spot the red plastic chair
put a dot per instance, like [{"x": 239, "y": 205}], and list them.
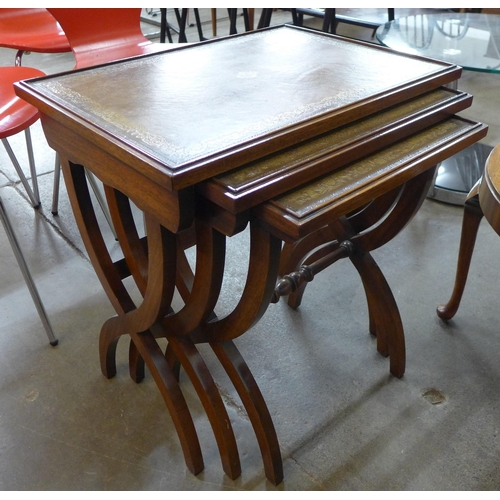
[
  {"x": 16, "y": 115},
  {"x": 25, "y": 30},
  {"x": 98, "y": 36},
  {"x": 31, "y": 30}
]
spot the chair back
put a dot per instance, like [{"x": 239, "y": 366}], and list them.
[
  {"x": 98, "y": 36},
  {"x": 31, "y": 30}
]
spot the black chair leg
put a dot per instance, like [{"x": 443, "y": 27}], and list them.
[
  {"x": 246, "y": 19},
  {"x": 232, "y": 21},
  {"x": 330, "y": 21},
  {"x": 164, "y": 27},
  {"x": 181, "y": 20},
  {"x": 198, "y": 24},
  {"x": 265, "y": 18}
]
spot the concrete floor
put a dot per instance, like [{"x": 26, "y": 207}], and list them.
[{"x": 343, "y": 422}]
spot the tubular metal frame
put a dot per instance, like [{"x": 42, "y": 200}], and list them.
[
  {"x": 27, "y": 275},
  {"x": 33, "y": 194}
]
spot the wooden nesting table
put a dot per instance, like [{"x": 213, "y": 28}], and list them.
[{"x": 324, "y": 147}]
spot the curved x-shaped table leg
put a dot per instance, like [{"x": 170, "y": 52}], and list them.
[
  {"x": 111, "y": 275},
  {"x": 193, "y": 324},
  {"x": 153, "y": 265},
  {"x": 370, "y": 228}
]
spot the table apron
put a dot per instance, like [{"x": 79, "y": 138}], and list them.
[{"x": 174, "y": 209}]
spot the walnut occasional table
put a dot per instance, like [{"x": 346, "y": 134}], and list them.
[{"x": 305, "y": 137}]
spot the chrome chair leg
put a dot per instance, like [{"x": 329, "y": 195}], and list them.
[
  {"x": 27, "y": 276},
  {"x": 33, "y": 196},
  {"x": 57, "y": 182},
  {"x": 31, "y": 161},
  {"x": 100, "y": 199}
]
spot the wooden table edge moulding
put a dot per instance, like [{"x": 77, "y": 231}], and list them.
[{"x": 324, "y": 147}]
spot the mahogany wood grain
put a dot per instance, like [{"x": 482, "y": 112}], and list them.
[
  {"x": 311, "y": 206},
  {"x": 180, "y": 140},
  {"x": 261, "y": 180},
  {"x": 489, "y": 190},
  {"x": 304, "y": 209},
  {"x": 302, "y": 136},
  {"x": 255, "y": 405},
  {"x": 385, "y": 320},
  {"x": 207, "y": 390},
  {"x": 483, "y": 200},
  {"x": 470, "y": 226},
  {"x": 173, "y": 397}
]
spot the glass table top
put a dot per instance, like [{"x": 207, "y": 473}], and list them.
[{"x": 468, "y": 40}]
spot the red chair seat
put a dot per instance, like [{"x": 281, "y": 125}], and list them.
[{"x": 16, "y": 115}]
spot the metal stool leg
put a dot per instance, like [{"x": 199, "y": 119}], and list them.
[
  {"x": 57, "y": 182},
  {"x": 100, "y": 199},
  {"x": 34, "y": 197},
  {"x": 27, "y": 276},
  {"x": 31, "y": 161}
]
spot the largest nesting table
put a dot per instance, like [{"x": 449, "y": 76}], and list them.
[{"x": 325, "y": 147}]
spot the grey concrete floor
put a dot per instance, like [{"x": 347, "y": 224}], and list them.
[{"x": 343, "y": 422}]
